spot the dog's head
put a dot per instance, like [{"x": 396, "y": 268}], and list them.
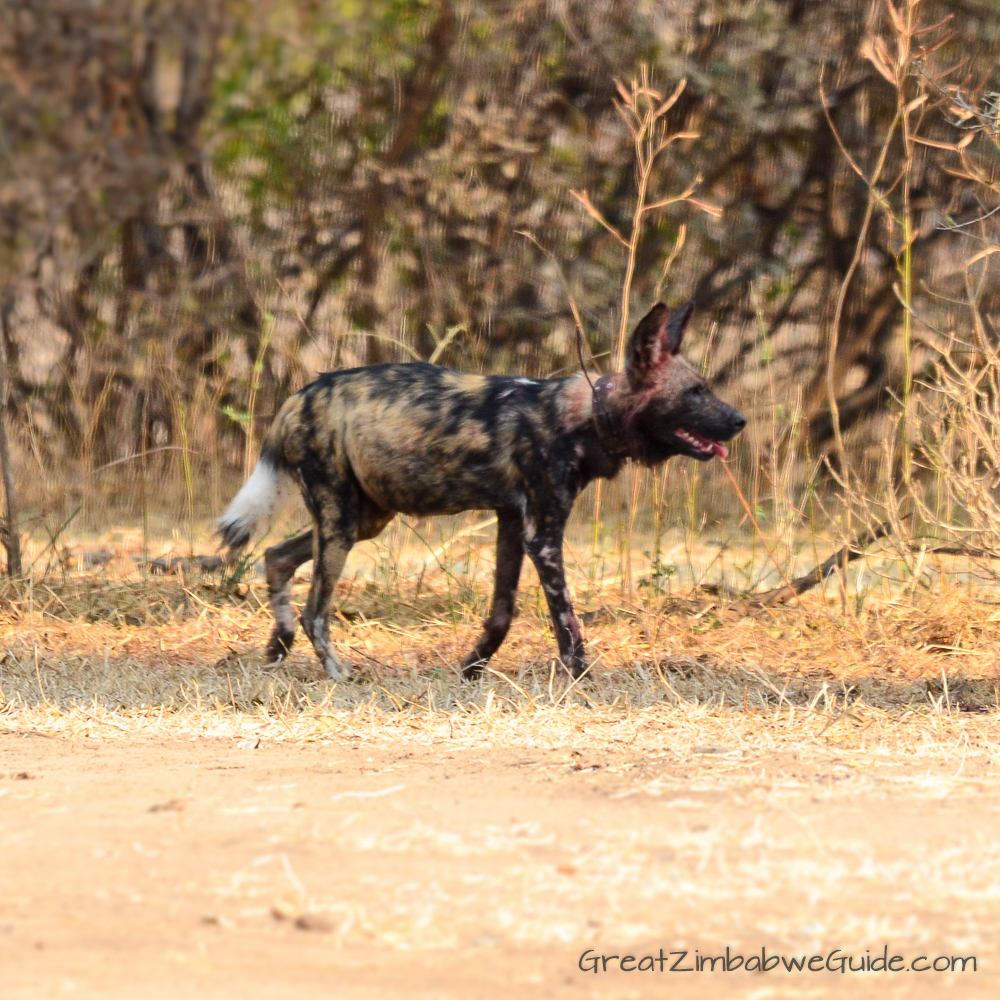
[{"x": 668, "y": 408}]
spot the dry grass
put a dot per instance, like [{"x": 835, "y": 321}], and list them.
[{"x": 119, "y": 653}]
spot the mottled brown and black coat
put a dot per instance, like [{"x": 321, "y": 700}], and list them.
[{"x": 366, "y": 443}]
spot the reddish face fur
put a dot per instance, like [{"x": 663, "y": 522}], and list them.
[{"x": 664, "y": 405}]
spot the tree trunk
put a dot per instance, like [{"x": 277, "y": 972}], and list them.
[{"x": 11, "y": 536}]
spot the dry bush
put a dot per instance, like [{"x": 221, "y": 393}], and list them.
[{"x": 960, "y": 445}]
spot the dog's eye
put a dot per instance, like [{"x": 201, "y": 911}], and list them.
[{"x": 696, "y": 390}]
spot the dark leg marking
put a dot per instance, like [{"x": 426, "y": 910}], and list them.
[
  {"x": 545, "y": 549},
  {"x": 281, "y": 561},
  {"x": 336, "y": 529},
  {"x": 510, "y": 555}
]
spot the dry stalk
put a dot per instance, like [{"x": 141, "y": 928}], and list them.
[
  {"x": 900, "y": 70},
  {"x": 644, "y": 111}
]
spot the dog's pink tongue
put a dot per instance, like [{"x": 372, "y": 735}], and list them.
[{"x": 720, "y": 449}]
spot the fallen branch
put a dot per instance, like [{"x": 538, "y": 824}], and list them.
[
  {"x": 958, "y": 550},
  {"x": 854, "y": 550}
]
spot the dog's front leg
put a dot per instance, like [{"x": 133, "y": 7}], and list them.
[
  {"x": 510, "y": 555},
  {"x": 545, "y": 549}
]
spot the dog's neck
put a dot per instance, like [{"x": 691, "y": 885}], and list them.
[{"x": 606, "y": 420}]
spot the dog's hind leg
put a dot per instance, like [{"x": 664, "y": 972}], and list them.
[
  {"x": 510, "y": 555},
  {"x": 336, "y": 529},
  {"x": 281, "y": 561}
]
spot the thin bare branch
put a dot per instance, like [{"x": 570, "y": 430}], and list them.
[{"x": 584, "y": 199}]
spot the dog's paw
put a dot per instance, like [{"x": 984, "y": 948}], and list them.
[
  {"x": 474, "y": 670},
  {"x": 278, "y": 647},
  {"x": 335, "y": 668}
]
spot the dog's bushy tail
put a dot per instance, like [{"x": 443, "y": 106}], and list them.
[{"x": 257, "y": 504}]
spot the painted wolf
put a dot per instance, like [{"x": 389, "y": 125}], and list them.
[{"x": 365, "y": 443}]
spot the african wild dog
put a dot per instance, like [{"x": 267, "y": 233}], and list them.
[{"x": 366, "y": 443}]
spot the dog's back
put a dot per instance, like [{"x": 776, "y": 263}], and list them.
[{"x": 418, "y": 439}]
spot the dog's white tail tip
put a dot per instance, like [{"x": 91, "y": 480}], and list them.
[{"x": 257, "y": 503}]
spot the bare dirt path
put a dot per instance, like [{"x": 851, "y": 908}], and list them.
[{"x": 199, "y": 868}]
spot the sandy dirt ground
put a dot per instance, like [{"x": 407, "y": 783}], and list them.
[{"x": 197, "y": 867}]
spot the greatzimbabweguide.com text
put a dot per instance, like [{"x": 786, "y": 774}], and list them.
[{"x": 833, "y": 961}]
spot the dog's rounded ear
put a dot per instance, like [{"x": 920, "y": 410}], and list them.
[
  {"x": 676, "y": 325},
  {"x": 647, "y": 347}
]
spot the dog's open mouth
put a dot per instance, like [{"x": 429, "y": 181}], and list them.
[{"x": 702, "y": 445}]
